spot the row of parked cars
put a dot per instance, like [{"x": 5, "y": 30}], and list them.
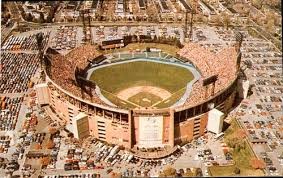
[
  {"x": 16, "y": 71},
  {"x": 86, "y": 175},
  {"x": 18, "y": 43},
  {"x": 65, "y": 38},
  {"x": 269, "y": 163},
  {"x": 4, "y": 144},
  {"x": 9, "y": 112}
]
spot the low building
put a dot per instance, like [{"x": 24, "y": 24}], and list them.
[
  {"x": 111, "y": 44},
  {"x": 215, "y": 121},
  {"x": 120, "y": 9},
  {"x": 42, "y": 94},
  {"x": 142, "y": 4},
  {"x": 164, "y": 7}
]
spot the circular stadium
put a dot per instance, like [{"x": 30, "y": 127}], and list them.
[{"x": 141, "y": 98}]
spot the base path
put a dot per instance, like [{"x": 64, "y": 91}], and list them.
[{"x": 129, "y": 92}]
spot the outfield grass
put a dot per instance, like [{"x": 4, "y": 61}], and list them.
[
  {"x": 144, "y": 99},
  {"x": 121, "y": 76}
]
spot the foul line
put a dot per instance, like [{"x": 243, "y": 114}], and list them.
[{"x": 120, "y": 98}]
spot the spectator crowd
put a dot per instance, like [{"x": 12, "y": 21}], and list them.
[
  {"x": 63, "y": 69},
  {"x": 222, "y": 64}
]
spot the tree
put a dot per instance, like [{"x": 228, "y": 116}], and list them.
[
  {"x": 257, "y": 3},
  {"x": 115, "y": 175},
  {"x": 28, "y": 17},
  {"x": 41, "y": 18},
  {"x": 198, "y": 172},
  {"x": 1, "y": 149},
  {"x": 45, "y": 161},
  {"x": 181, "y": 171},
  {"x": 226, "y": 20},
  {"x": 168, "y": 171},
  {"x": 37, "y": 146},
  {"x": 237, "y": 170},
  {"x": 50, "y": 144},
  {"x": 217, "y": 20},
  {"x": 257, "y": 163},
  {"x": 273, "y": 3},
  {"x": 232, "y": 142},
  {"x": 241, "y": 134},
  {"x": 52, "y": 130},
  {"x": 188, "y": 173}
]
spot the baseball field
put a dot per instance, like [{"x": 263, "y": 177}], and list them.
[{"x": 142, "y": 83}]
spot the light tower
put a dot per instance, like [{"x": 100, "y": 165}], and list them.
[
  {"x": 239, "y": 40},
  {"x": 39, "y": 40},
  {"x": 193, "y": 11},
  {"x": 186, "y": 22}
]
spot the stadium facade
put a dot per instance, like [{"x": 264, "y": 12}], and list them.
[{"x": 137, "y": 127}]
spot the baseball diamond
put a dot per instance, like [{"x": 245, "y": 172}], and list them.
[{"x": 142, "y": 83}]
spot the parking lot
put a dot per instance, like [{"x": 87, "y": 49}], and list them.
[
  {"x": 17, "y": 70},
  {"x": 260, "y": 114},
  {"x": 102, "y": 33},
  {"x": 19, "y": 43},
  {"x": 9, "y": 113}
]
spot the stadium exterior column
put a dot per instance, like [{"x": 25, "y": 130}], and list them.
[
  {"x": 131, "y": 132},
  {"x": 171, "y": 128}
]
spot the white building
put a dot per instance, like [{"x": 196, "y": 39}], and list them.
[
  {"x": 215, "y": 121},
  {"x": 243, "y": 88},
  {"x": 79, "y": 125},
  {"x": 42, "y": 94}
]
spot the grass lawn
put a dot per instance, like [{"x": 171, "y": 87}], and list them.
[
  {"x": 144, "y": 99},
  {"x": 228, "y": 171},
  {"x": 241, "y": 158},
  {"x": 221, "y": 170}
]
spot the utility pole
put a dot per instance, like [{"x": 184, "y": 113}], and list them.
[
  {"x": 186, "y": 22},
  {"x": 191, "y": 25}
]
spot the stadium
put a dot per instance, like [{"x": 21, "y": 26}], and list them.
[{"x": 140, "y": 98}]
